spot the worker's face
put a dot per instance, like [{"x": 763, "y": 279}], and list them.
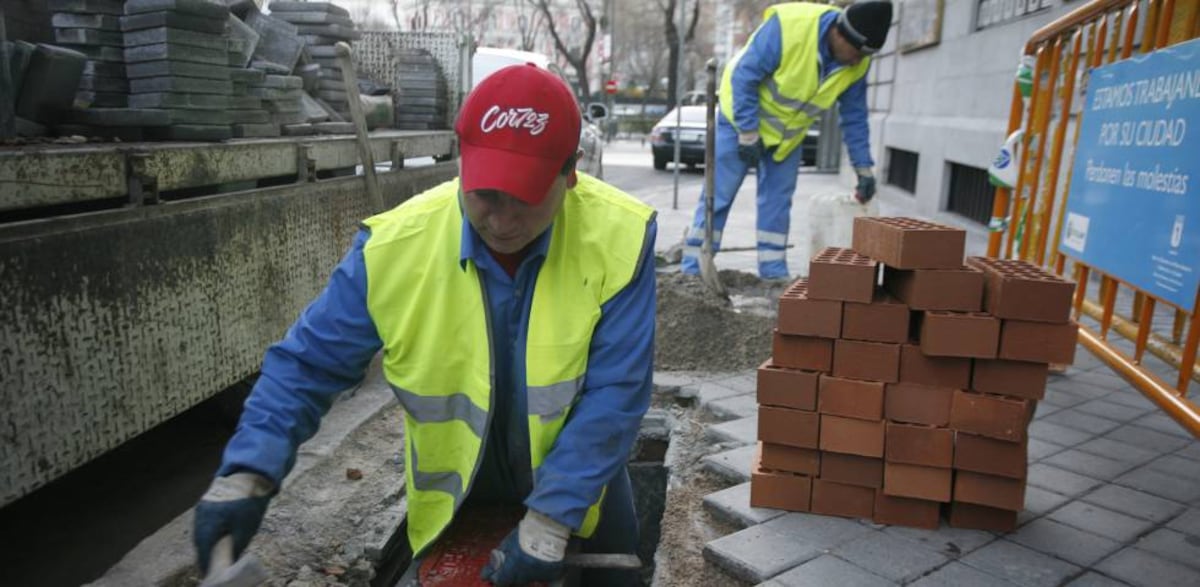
[
  {"x": 843, "y": 51},
  {"x": 508, "y": 225}
]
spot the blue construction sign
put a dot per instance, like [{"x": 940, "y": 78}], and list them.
[{"x": 1134, "y": 206}]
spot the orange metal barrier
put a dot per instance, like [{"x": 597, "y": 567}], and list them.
[{"x": 1098, "y": 33}]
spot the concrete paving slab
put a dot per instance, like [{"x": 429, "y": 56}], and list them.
[
  {"x": 176, "y": 52},
  {"x": 1172, "y": 545},
  {"x": 710, "y": 391},
  {"x": 822, "y": 532},
  {"x": 174, "y": 36},
  {"x": 175, "y": 20},
  {"x": 179, "y": 68},
  {"x": 1063, "y": 541},
  {"x": 1044, "y": 409},
  {"x": 171, "y": 83},
  {"x": 249, "y": 117},
  {"x": 197, "y": 7},
  {"x": 757, "y": 553},
  {"x": 1092, "y": 579},
  {"x": 1020, "y": 565},
  {"x": 1067, "y": 393},
  {"x": 179, "y": 100},
  {"x": 828, "y": 570},
  {"x": 897, "y": 559},
  {"x": 1148, "y": 439},
  {"x": 1144, "y": 569},
  {"x": 743, "y": 431},
  {"x": 256, "y": 130},
  {"x": 1102, "y": 378},
  {"x": 1190, "y": 452},
  {"x": 1112, "y": 410},
  {"x": 313, "y": 17},
  {"x": 1040, "y": 501},
  {"x": 957, "y": 574},
  {"x": 1073, "y": 418},
  {"x": 1094, "y": 466},
  {"x": 104, "y": 22},
  {"x": 1121, "y": 451},
  {"x": 742, "y": 382},
  {"x": 1038, "y": 449},
  {"x": 111, "y": 7},
  {"x": 1101, "y": 521},
  {"x": 1175, "y": 465},
  {"x": 91, "y": 36},
  {"x": 952, "y": 542},
  {"x": 1187, "y": 522},
  {"x": 1162, "y": 423},
  {"x": 1172, "y": 487},
  {"x": 1135, "y": 503},
  {"x": 50, "y": 82},
  {"x": 327, "y": 7},
  {"x": 1131, "y": 398},
  {"x": 733, "y": 465},
  {"x": 1059, "y": 480},
  {"x": 190, "y": 132},
  {"x": 733, "y": 506},
  {"x": 1057, "y": 433},
  {"x": 738, "y": 406}
]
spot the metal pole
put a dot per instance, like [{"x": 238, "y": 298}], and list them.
[
  {"x": 609, "y": 11},
  {"x": 8, "y": 97},
  {"x": 678, "y": 97}
]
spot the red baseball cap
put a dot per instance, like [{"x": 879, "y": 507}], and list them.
[{"x": 516, "y": 129}]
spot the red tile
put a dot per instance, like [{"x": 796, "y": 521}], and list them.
[
  {"x": 992, "y": 416},
  {"x": 852, "y": 398},
  {"x": 959, "y": 334},
  {"x": 919, "y": 445},
  {"x": 885, "y": 319},
  {"x": 909, "y": 243},
  {"x": 788, "y": 388},
  {"x": 1039, "y": 342},
  {"x": 837, "y": 499},
  {"x": 917, "y": 367},
  {"x": 1011, "y": 378},
  {"x": 852, "y": 469},
  {"x": 802, "y": 352},
  {"x": 802, "y": 315},
  {"x": 978, "y": 517},
  {"x": 790, "y": 427},
  {"x": 842, "y": 274},
  {"x": 988, "y": 455},
  {"x": 918, "y": 404},
  {"x": 851, "y": 436},
  {"x": 1019, "y": 290},
  {"x": 779, "y": 490},
  {"x": 989, "y": 490},
  {"x": 780, "y": 457},
  {"x": 870, "y": 361},
  {"x": 917, "y": 482},
  {"x": 906, "y": 511},
  {"x": 956, "y": 290}
]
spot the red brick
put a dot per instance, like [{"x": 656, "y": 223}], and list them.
[
  {"x": 978, "y": 517},
  {"x": 990, "y": 490},
  {"x": 1039, "y": 342},
  {"x": 802, "y": 352},
  {"x": 799, "y": 314},
  {"x": 791, "y": 427},
  {"x": 852, "y": 469},
  {"x": 917, "y": 367},
  {"x": 852, "y": 398},
  {"x": 957, "y": 290},
  {"x": 788, "y": 388},
  {"x": 780, "y": 457},
  {"x": 1019, "y": 290},
  {"x": 1014, "y": 378},
  {"x": 909, "y": 243},
  {"x": 842, "y": 274},
  {"x": 917, "y": 482},
  {"x": 992, "y": 416},
  {"x": 872, "y": 361},
  {"x": 838, "y": 499},
  {"x": 988, "y": 455},
  {"x": 850, "y": 436},
  {"x": 919, "y": 445},
  {"x": 959, "y": 334},
  {"x": 885, "y": 319},
  {"x": 906, "y": 511},
  {"x": 918, "y": 404},
  {"x": 779, "y": 490}
]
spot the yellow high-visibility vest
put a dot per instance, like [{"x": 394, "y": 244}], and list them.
[
  {"x": 431, "y": 313},
  {"x": 794, "y": 96}
]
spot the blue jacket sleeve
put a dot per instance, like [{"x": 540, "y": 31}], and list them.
[
  {"x": 600, "y": 432},
  {"x": 759, "y": 61},
  {"x": 326, "y": 351},
  {"x": 852, "y": 108}
]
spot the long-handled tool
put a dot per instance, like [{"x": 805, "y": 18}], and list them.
[
  {"x": 350, "y": 81},
  {"x": 223, "y": 571},
  {"x": 708, "y": 269}
]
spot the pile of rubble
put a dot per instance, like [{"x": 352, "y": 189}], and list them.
[
  {"x": 200, "y": 70},
  {"x": 905, "y": 401}
]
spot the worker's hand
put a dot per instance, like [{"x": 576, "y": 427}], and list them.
[
  {"x": 749, "y": 148},
  {"x": 532, "y": 552},
  {"x": 233, "y": 506},
  {"x": 866, "y": 185}
]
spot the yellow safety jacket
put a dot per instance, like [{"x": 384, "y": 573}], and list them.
[
  {"x": 794, "y": 96},
  {"x": 429, "y": 309}
]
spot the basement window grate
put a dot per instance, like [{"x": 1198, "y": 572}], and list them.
[
  {"x": 902, "y": 169},
  {"x": 970, "y": 193}
]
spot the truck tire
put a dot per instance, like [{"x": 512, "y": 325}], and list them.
[{"x": 660, "y": 162}]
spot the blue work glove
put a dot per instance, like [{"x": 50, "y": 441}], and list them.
[
  {"x": 749, "y": 148},
  {"x": 866, "y": 185},
  {"x": 233, "y": 506},
  {"x": 532, "y": 552}
]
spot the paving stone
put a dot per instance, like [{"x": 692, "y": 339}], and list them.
[
  {"x": 285, "y": 118},
  {"x": 283, "y": 105},
  {"x": 249, "y": 117},
  {"x": 1106, "y": 447},
  {"x": 1190, "y": 452},
  {"x": 245, "y": 103},
  {"x": 890, "y": 556},
  {"x": 1092, "y": 579},
  {"x": 1073, "y": 418},
  {"x": 1067, "y": 394},
  {"x": 173, "y": 36},
  {"x": 957, "y": 574},
  {"x": 733, "y": 506},
  {"x": 1141, "y": 568},
  {"x": 952, "y": 542},
  {"x": 256, "y": 130},
  {"x": 122, "y": 117},
  {"x": 1059, "y": 480},
  {"x": 335, "y": 128},
  {"x": 1039, "y": 449},
  {"x": 1071, "y": 544},
  {"x": 1102, "y": 378},
  {"x": 298, "y": 130},
  {"x": 1020, "y": 565},
  {"x": 332, "y": 31},
  {"x": 278, "y": 42},
  {"x": 180, "y": 68},
  {"x": 1175, "y": 465},
  {"x": 822, "y": 532},
  {"x": 190, "y": 132},
  {"x": 738, "y": 406},
  {"x": 1044, "y": 409},
  {"x": 733, "y": 464},
  {"x": 1147, "y": 438},
  {"x": 1039, "y": 501},
  {"x": 1117, "y": 411},
  {"x": 88, "y": 37},
  {"x": 1100, "y": 521},
  {"x": 1188, "y": 522},
  {"x": 97, "y": 52},
  {"x": 298, "y": 18},
  {"x": 1094, "y": 466},
  {"x": 104, "y": 84},
  {"x": 1162, "y": 423},
  {"x": 176, "y": 20},
  {"x": 746, "y": 382},
  {"x": 176, "y": 52},
  {"x": 828, "y": 570},
  {"x": 742, "y": 431},
  {"x": 50, "y": 82},
  {"x": 709, "y": 391},
  {"x": 1057, "y": 434},
  {"x": 1135, "y": 503},
  {"x": 91, "y": 99},
  {"x": 197, "y": 7},
  {"x": 102, "y": 69},
  {"x": 111, "y": 7},
  {"x": 1132, "y": 399},
  {"x": 171, "y": 83},
  {"x": 758, "y": 553},
  {"x": 174, "y": 100},
  {"x": 322, "y": 51},
  {"x": 1173, "y": 487},
  {"x": 1173, "y": 545}
]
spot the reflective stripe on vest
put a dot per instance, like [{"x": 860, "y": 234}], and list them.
[
  {"x": 430, "y": 311},
  {"x": 794, "y": 97}
]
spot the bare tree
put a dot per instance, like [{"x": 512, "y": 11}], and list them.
[
  {"x": 577, "y": 57},
  {"x": 640, "y": 57},
  {"x": 529, "y": 24},
  {"x": 671, "y": 32}
]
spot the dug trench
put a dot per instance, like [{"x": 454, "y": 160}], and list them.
[{"x": 337, "y": 520}]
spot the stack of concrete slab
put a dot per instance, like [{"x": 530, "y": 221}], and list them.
[
  {"x": 321, "y": 25},
  {"x": 247, "y": 110},
  {"x": 92, "y": 28},
  {"x": 281, "y": 97}
]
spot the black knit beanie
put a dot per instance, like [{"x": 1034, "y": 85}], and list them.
[{"x": 865, "y": 24}]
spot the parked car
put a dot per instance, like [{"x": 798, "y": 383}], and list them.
[
  {"x": 488, "y": 60},
  {"x": 692, "y": 128}
]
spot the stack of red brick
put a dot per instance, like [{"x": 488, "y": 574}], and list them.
[{"x": 893, "y": 402}]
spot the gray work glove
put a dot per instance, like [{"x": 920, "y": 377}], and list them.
[
  {"x": 749, "y": 148},
  {"x": 866, "y": 185},
  {"x": 233, "y": 506}
]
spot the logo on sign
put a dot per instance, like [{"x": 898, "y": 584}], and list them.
[
  {"x": 1077, "y": 231},
  {"x": 1177, "y": 232},
  {"x": 497, "y": 118}
]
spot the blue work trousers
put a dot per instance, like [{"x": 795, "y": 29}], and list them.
[{"x": 776, "y": 184}]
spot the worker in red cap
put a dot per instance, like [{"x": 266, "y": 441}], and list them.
[
  {"x": 800, "y": 60},
  {"x": 515, "y": 310}
]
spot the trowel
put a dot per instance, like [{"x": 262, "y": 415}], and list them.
[{"x": 223, "y": 571}]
